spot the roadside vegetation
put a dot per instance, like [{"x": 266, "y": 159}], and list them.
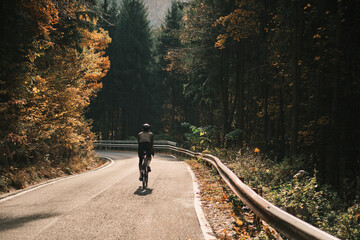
[
  {"x": 14, "y": 178},
  {"x": 52, "y": 62},
  {"x": 288, "y": 184},
  {"x": 227, "y": 215},
  {"x": 295, "y": 190}
]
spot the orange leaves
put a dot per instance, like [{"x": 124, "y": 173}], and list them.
[
  {"x": 174, "y": 58},
  {"x": 316, "y": 36},
  {"x": 94, "y": 66},
  {"x": 44, "y": 13},
  {"x": 15, "y": 138},
  {"x": 307, "y": 6},
  {"x": 239, "y": 222},
  {"x": 237, "y": 230},
  {"x": 61, "y": 80},
  {"x": 94, "y": 63},
  {"x": 97, "y": 39},
  {"x": 52, "y": 86},
  {"x": 242, "y": 23},
  {"x": 225, "y": 197},
  {"x": 221, "y": 39},
  {"x": 35, "y": 90}
]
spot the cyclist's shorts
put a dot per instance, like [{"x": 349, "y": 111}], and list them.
[{"x": 144, "y": 147}]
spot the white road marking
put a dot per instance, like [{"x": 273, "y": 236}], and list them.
[{"x": 204, "y": 224}]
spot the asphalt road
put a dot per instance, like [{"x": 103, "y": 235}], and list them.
[{"x": 107, "y": 204}]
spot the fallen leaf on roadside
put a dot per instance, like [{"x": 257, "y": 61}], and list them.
[
  {"x": 237, "y": 230},
  {"x": 225, "y": 197},
  {"x": 239, "y": 222}
]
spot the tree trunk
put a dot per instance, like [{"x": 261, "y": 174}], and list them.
[
  {"x": 332, "y": 171},
  {"x": 296, "y": 71},
  {"x": 225, "y": 104},
  {"x": 266, "y": 117},
  {"x": 282, "y": 124},
  {"x": 240, "y": 76},
  {"x": 106, "y": 4}
]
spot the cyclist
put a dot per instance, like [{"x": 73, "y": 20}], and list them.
[{"x": 145, "y": 144}]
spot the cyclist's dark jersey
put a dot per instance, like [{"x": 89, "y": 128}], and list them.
[{"x": 146, "y": 143}]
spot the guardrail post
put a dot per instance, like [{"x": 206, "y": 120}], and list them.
[{"x": 257, "y": 219}]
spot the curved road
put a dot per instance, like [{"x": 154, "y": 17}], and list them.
[{"x": 107, "y": 204}]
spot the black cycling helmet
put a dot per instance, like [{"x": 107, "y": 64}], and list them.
[{"x": 146, "y": 126}]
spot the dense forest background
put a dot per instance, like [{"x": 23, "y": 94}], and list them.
[
  {"x": 278, "y": 76},
  {"x": 282, "y": 77}
]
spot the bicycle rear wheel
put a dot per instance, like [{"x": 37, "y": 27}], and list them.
[{"x": 145, "y": 180}]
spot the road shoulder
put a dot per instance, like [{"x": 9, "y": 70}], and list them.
[{"x": 6, "y": 196}]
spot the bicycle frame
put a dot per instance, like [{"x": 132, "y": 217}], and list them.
[{"x": 144, "y": 171}]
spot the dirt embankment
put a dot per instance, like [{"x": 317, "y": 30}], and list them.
[{"x": 15, "y": 178}]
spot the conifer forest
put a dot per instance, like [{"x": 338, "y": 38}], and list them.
[{"x": 280, "y": 77}]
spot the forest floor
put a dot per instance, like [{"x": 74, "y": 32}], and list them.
[
  {"x": 16, "y": 178},
  {"x": 227, "y": 215}
]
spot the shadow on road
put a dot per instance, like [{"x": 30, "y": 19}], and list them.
[
  {"x": 11, "y": 223},
  {"x": 143, "y": 192}
]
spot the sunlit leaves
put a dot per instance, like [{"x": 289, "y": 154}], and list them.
[
  {"x": 241, "y": 23},
  {"x": 44, "y": 12},
  {"x": 59, "y": 74}
]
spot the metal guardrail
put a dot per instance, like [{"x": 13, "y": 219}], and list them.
[
  {"x": 287, "y": 224},
  {"x": 112, "y": 142}
]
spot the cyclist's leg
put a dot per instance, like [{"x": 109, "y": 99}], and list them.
[
  {"x": 147, "y": 149},
  {"x": 148, "y": 159},
  {"x": 141, "y": 156},
  {"x": 148, "y": 164},
  {"x": 140, "y": 163}
]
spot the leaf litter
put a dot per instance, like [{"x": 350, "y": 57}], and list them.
[{"x": 228, "y": 217}]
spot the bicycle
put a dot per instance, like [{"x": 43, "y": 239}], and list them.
[{"x": 144, "y": 171}]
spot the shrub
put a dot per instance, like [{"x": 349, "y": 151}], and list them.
[
  {"x": 348, "y": 223},
  {"x": 233, "y": 137},
  {"x": 293, "y": 189},
  {"x": 197, "y": 137}
]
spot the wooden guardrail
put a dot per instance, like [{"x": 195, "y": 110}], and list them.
[{"x": 285, "y": 223}]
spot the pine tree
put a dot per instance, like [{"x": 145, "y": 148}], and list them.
[
  {"x": 173, "y": 105},
  {"x": 126, "y": 99}
]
